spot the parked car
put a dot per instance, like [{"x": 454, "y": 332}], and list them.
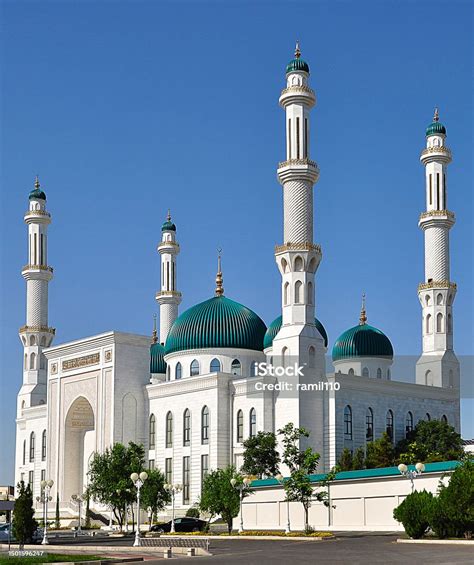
[
  {"x": 184, "y": 524},
  {"x": 4, "y": 534}
]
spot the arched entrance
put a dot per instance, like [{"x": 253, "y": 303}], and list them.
[{"x": 79, "y": 444}]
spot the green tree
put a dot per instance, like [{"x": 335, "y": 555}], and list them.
[
  {"x": 193, "y": 512},
  {"x": 153, "y": 494},
  {"x": 414, "y": 513},
  {"x": 261, "y": 457},
  {"x": 220, "y": 497},
  {"x": 24, "y": 523},
  {"x": 380, "y": 453},
  {"x": 344, "y": 463},
  {"x": 57, "y": 519},
  {"x": 358, "y": 460},
  {"x": 301, "y": 463},
  {"x": 109, "y": 477}
]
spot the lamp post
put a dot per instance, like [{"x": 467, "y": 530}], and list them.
[
  {"x": 138, "y": 480},
  {"x": 411, "y": 474},
  {"x": 173, "y": 490},
  {"x": 78, "y": 499},
  {"x": 281, "y": 480},
  {"x": 241, "y": 486},
  {"x": 44, "y": 499}
]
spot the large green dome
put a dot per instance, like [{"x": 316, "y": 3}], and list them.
[
  {"x": 436, "y": 127},
  {"x": 297, "y": 65},
  {"x": 362, "y": 341},
  {"x": 217, "y": 322},
  {"x": 157, "y": 358},
  {"x": 275, "y": 326},
  {"x": 37, "y": 193}
]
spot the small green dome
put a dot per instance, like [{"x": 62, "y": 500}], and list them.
[
  {"x": 297, "y": 64},
  {"x": 215, "y": 323},
  {"x": 37, "y": 193},
  {"x": 157, "y": 358},
  {"x": 362, "y": 341},
  {"x": 435, "y": 128},
  {"x": 275, "y": 326},
  {"x": 168, "y": 226}
]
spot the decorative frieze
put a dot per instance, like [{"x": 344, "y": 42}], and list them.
[
  {"x": 79, "y": 362},
  {"x": 304, "y": 246}
]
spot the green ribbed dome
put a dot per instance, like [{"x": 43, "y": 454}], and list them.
[
  {"x": 157, "y": 358},
  {"x": 37, "y": 193},
  {"x": 168, "y": 226},
  {"x": 297, "y": 64},
  {"x": 217, "y": 322},
  {"x": 362, "y": 341},
  {"x": 435, "y": 128},
  {"x": 275, "y": 326}
]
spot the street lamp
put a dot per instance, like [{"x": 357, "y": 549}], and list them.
[
  {"x": 281, "y": 480},
  {"x": 241, "y": 486},
  {"x": 138, "y": 480},
  {"x": 411, "y": 474},
  {"x": 173, "y": 490},
  {"x": 44, "y": 499},
  {"x": 78, "y": 499}
]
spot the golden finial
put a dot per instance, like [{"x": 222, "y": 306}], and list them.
[
  {"x": 168, "y": 217},
  {"x": 37, "y": 182},
  {"x": 363, "y": 315},
  {"x": 154, "y": 338},
  {"x": 219, "y": 279},
  {"x": 297, "y": 50},
  {"x": 436, "y": 115}
]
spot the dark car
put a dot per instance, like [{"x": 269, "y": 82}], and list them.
[{"x": 181, "y": 525}]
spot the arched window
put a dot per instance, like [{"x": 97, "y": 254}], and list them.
[
  {"x": 42, "y": 361},
  {"x": 43, "y": 341},
  {"x": 427, "y": 299},
  {"x": 169, "y": 429},
  {"x": 439, "y": 299},
  {"x": 151, "y": 433},
  {"x": 215, "y": 366},
  {"x": 369, "y": 425},
  {"x": 43, "y": 446},
  {"x": 284, "y": 357},
  {"x": 284, "y": 266},
  {"x": 389, "y": 425},
  {"x": 312, "y": 357},
  {"x": 439, "y": 322},
  {"x": 379, "y": 373},
  {"x": 205, "y": 425},
  {"x": 186, "y": 427},
  {"x": 428, "y": 324},
  {"x": 450, "y": 324},
  {"x": 178, "y": 372},
  {"x": 348, "y": 423},
  {"x": 408, "y": 424},
  {"x": 26, "y": 361},
  {"x": 444, "y": 418},
  {"x": 194, "y": 370},
  {"x": 351, "y": 372},
  {"x": 310, "y": 293},
  {"x": 24, "y": 452},
  {"x": 240, "y": 426},
  {"x": 33, "y": 361},
  {"x": 285, "y": 293},
  {"x": 298, "y": 285},
  {"x": 32, "y": 447},
  {"x": 429, "y": 378},
  {"x": 254, "y": 368},
  {"x": 32, "y": 340},
  {"x": 236, "y": 367},
  {"x": 365, "y": 372},
  {"x": 252, "y": 423},
  {"x": 298, "y": 264},
  {"x": 428, "y": 417},
  {"x": 312, "y": 265}
]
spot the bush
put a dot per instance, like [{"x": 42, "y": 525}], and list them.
[
  {"x": 438, "y": 518},
  {"x": 193, "y": 512},
  {"x": 414, "y": 513}
]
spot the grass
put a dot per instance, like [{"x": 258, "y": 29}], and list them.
[
  {"x": 46, "y": 558},
  {"x": 260, "y": 533}
]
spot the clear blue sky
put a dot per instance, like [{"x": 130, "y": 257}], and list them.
[{"x": 128, "y": 109}]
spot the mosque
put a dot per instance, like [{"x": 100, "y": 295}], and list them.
[{"x": 195, "y": 391}]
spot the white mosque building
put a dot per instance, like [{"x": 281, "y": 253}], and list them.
[{"x": 191, "y": 395}]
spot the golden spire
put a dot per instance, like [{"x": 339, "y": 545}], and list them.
[
  {"x": 297, "y": 50},
  {"x": 37, "y": 182},
  {"x": 436, "y": 115},
  {"x": 154, "y": 338},
  {"x": 168, "y": 217},
  {"x": 219, "y": 279},
  {"x": 363, "y": 315}
]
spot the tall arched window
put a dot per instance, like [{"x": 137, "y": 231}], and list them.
[
  {"x": 252, "y": 423},
  {"x": 32, "y": 340},
  {"x": 215, "y": 366},
  {"x": 429, "y": 378},
  {"x": 298, "y": 264},
  {"x": 310, "y": 293},
  {"x": 408, "y": 424},
  {"x": 186, "y": 427},
  {"x": 428, "y": 324},
  {"x": 152, "y": 432},
  {"x": 312, "y": 357},
  {"x": 284, "y": 357},
  {"x": 194, "y": 370},
  {"x": 444, "y": 418},
  {"x": 351, "y": 372},
  {"x": 205, "y": 425},
  {"x": 33, "y": 361},
  {"x": 379, "y": 373},
  {"x": 298, "y": 285},
  {"x": 178, "y": 372},
  {"x": 240, "y": 426},
  {"x": 285, "y": 293},
  {"x": 369, "y": 425},
  {"x": 389, "y": 425},
  {"x": 347, "y": 423},
  {"x": 169, "y": 429},
  {"x": 439, "y": 322},
  {"x": 427, "y": 417},
  {"x": 365, "y": 372},
  {"x": 439, "y": 299},
  {"x": 24, "y": 452},
  {"x": 32, "y": 447},
  {"x": 43, "y": 446},
  {"x": 42, "y": 361},
  {"x": 236, "y": 367}
]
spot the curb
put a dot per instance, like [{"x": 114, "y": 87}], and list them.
[{"x": 439, "y": 541}]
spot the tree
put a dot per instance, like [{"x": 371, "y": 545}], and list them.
[
  {"x": 57, "y": 519},
  {"x": 109, "y": 477},
  {"x": 24, "y": 523},
  {"x": 193, "y": 512},
  {"x": 344, "y": 462},
  {"x": 220, "y": 497},
  {"x": 153, "y": 494},
  {"x": 380, "y": 453},
  {"x": 414, "y": 513},
  {"x": 301, "y": 463},
  {"x": 261, "y": 457},
  {"x": 358, "y": 460}
]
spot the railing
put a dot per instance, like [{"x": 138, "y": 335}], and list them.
[
  {"x": 437, "y": 284},
  {"x": 304, "y": 246},
  {"x": 436, "y": 149},
  {"x": 166, "y": 243},
  {"x": 38, "y": 267},
  {"x": 431, "y": 213},
  {"x": 37, "y": 213},
  {"x": 25, "y": 329},
  {"x": 168, "y": 293},
  {"x": 291, "y": 162},
  {"x": 295, "y": 89}
]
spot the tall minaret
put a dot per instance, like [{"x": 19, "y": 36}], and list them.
[
  {"x": 168, "y": 297},
  {"x": 36, "y": 334},
  {"x": 438, "y": 365},
  {"x": 298, "y": 257}
]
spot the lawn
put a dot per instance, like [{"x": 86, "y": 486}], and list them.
[{"x": 45, "y": 558}]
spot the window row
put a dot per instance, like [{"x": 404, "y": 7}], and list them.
[
  {"x": 215, "y": 366},
  {"x": 32, "y": 364},
  {"x": 186, "y": 473},
  {"x": 440, "y": 327},
  {"x": 299, "y": 265},
  {"x": 169, "y": 431},
  {"x": 366, "y": 373},
  {"x": 439, "y": 299},
  {"x": 31, "y": 452},
  {"x": 298, "y": 294},
  {"x": 240, "y": 425}
]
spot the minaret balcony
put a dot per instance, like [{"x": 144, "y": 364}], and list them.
[
  {"x": 436, "y": 285},
  {"x": 297, "y": 94},
  {"x": 303, "y": 246},
  {"x": 37, "y": 329},
  {"x": 436, "y": 153},
  {"x": 436, "y": 218},
  {"x": 37, "y": 216},
  {"x": 168, "y": 246},
  {"x": 168, "y": 297},
  {"x": 298, "y": 169},
  {"x": 37, "y": 268}
]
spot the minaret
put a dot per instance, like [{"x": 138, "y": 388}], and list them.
[
  {"x": 168, "y": 297},
  {"x": 438, "y": 365},
  {"x": 36, "y": 334}
]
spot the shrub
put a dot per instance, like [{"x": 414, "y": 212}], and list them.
[
  {"x": 414, "y": 513},
  {"x": 193, "y": 512},
  {"x": 439, "y": 519}
]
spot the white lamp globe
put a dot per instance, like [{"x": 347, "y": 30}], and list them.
[
  {"x": 50, "y": 483},
  {"x": 233, "y": 482},
  {"x": 420, "y": 467},
  {"x": 143, "y": 476},
  {"x": 134, "y": 477},
  {"x": 43, "y": 484},
  {"x": 402, "y": 468}
]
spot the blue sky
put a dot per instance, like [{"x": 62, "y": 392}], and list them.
[{"x": 126, "y": 109}]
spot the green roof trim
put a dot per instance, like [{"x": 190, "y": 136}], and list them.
[
  {"x": 362, "y": 341},
  {"x": 275, "y": 326},
  {"x": 157, "y": 359},
  {"x": 440, "y": 467},
  {"x": 215, "y": 323}
]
